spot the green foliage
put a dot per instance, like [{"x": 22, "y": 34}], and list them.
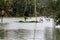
[
  {"x": 20, "y": 7},
  {"x": 53, "y": 8}
]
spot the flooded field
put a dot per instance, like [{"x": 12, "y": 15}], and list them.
[{"x": 11, "y": 29}]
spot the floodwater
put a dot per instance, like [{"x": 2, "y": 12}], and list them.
[{"x": 14, "y": 30}]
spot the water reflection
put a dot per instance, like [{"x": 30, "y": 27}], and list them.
[
  {"x": 24, "y": 31},
  {"x": 2, "y": 25},
  {"x": 2, "y": 34},
  {"x": 22, "y": 34},
  {"x": 48, "y": 33},
  {"x": 19, "y": 34}
]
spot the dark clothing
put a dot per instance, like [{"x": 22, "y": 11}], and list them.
[{"x": 26, "y": 13}]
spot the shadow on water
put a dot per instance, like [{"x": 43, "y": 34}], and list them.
[
  {"x": 20, "y": 34},
  {"x": 2, "y": 34},
  {"x": 57, "y": 34},
  {"x": 48, "y": 33},
  {"x": 23, "y": 34},
  {"x": 2, "y": 25},
  {"x": 15, "y": 34},
  {"x": 2, "y": 31}
]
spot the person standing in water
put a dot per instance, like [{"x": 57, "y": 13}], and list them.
[{"x": 3, "y": 12}]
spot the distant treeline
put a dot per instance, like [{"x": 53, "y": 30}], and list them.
[{"x": 20, "y": 8}]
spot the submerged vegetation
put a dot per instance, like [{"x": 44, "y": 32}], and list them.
[{"x": 28, "y": 21}]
